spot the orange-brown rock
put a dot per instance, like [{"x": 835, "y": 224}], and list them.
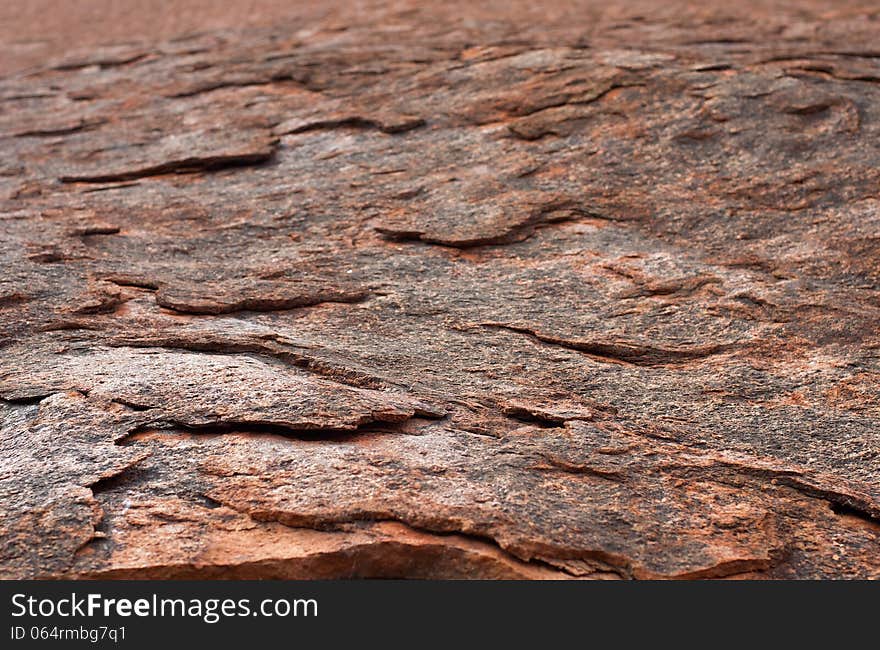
[{"x": 444, "y": 290}]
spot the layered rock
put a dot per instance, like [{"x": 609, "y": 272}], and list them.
[{"x": 458, "y": 291}]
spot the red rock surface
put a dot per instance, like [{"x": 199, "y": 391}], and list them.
[{"x": 485, "y": 290}]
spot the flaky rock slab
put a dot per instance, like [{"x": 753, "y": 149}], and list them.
[{"x": 447, "y": 292}]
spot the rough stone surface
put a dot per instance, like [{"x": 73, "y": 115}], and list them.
[{"x": 478, "y": 290}]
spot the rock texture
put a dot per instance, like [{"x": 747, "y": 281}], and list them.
[{"x": 483, "y": 290}]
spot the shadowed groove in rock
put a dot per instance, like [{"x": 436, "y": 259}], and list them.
[
  {"x": 620, "y": 352},
  {"x": 182, "y": 166}
]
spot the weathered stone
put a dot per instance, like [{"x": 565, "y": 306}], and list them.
[{"x": 450, "y": 290}]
